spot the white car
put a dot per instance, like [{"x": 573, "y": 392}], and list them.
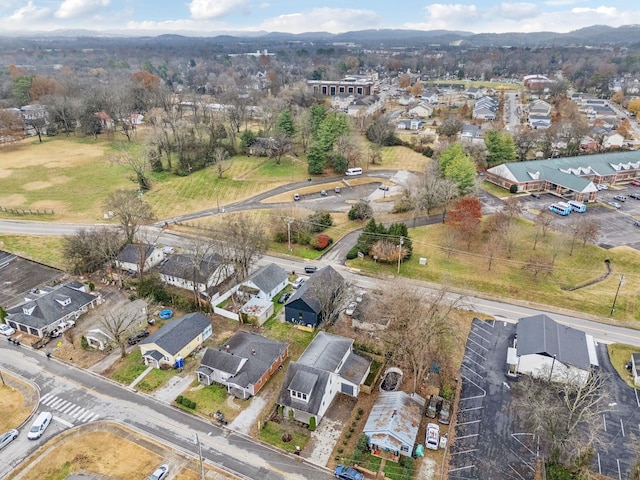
[
  {"x": 8, "y": 437},
  {"x": 615, "y": 204},
  {"x": 297, "y": 283},
  {"x": 159, "y": 473},
  {"x": 433, "y": 436},
  {"x": 602, "y": 186},
  {"x": 351, "y": 308},
  {"x": 6, "y": 329}
]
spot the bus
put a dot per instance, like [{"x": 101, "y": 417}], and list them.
[
  {"x": 353, "y": 171},
  {"x": 561, "y": 209},
  {"x": 578, "y": 206}
]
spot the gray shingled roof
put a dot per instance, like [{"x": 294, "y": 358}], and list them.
[
  {"x": 394, "y": 420},
  {"x": 303, "y": 382},
  {"x": 268, "y": 277},
  {"x": 326, "y": 351},
  {"x": 325, "y": 276},
  {"x": 176, "y": 334},
  {"x": 541, "y": 335},
  {"x": 249, "y": 356},
  {"x": 47, "y": 308},
  {"x": 182, "y": 266},
  {"x": 131, "y": 252},
  {"x": 355, "y": 368},
  {"x": 315, "y": 400}
]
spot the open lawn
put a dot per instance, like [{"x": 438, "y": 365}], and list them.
[
  {"x": 619, "y": 355},
  {"x": 209, "y": 399},
  {"x": 452, "y": 264},
  {"x": 272, "y": 433},
  {"x": 128, "y": 369},
  {"x": 43, "y": 249},
  {"x": 297, "y": 339},
  {"x": 17, "y": 400}
]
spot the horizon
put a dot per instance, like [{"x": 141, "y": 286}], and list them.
[{"x": 199, "y": 18}]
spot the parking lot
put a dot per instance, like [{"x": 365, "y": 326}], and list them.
[
  {"x": 490, "y": 444},
  {"x": 616, "y": 225}
]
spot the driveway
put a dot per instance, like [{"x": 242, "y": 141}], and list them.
[{"x": 490, "y": 444}]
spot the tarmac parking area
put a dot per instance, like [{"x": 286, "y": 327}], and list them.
[{"x": 490, "y": 443}]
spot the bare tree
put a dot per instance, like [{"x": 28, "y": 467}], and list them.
[
  {"x": 279, "y": 145},
  {"x": 524, "y": 140},
  {"x": 220, "y": 156},
  {"x": 137, "y": 165},
  {"x": 585, "y": 229},
  {"x": 420, "y": 332},
  {"x": 565, "y": 414},
  {"x": 89, "y": 250},
  {"x": 118, "y": 323},
  {"x": 538, "y": 264},
  {"x": 131, "y": 211},
  {"x": 242, "y": 242},
  {"x": 330, "y": 294}
]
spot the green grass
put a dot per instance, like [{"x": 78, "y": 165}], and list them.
[
  {"x": 45, "y": 249},
  {"x": 209, "y": 399},
  {"x": 132, "y": 366},
  {"x": 60, "y": 473},
  {"x": 272, "y": 434},
  {"x": 619, "y": 355},
  {"x": 298, "y": 340},
  {"x": 469, "y": 270},
  {"x": 495, "y": 190}
]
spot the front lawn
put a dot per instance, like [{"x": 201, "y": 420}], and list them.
[
  {"x": 619, "y": 355},
  {"x": 272, "y": 433},
  {"x": 130, "y": 368},
  {"x": 209, "y": 399},
  {"x": 297, "y": 339}
]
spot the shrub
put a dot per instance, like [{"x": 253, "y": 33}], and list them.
[
  {"x": 360, "y": 411},
  {"x": 513, "y": 188},
  {"x": 353, "y": 253},
  {"x": 347, "y": 435},
  {"x": 92, "y": 286},
  {"x": 363, "y": 443},
  {"x": 360, "y": 211},
  {"x": 312, "y": 424},
  {"x": 84, "y": 342},
  {"x": 179, "y": 399},
  {"x": 322, "y": 241},
  {"x": 340, "y": 450},
  {"x": 320, "y": 221}
]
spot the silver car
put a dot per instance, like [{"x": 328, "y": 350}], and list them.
[
  {"x": 7, "y": 438},
  {"x": 159, "y": 473}
]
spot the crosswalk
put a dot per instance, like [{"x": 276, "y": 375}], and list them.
[{"x": 69, "y": 409}]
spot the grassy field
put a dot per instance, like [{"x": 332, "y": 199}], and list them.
[
  {"x": 272, "y": 434},
  {"x": 14, "y": 406},
  {"x": 619, "y": 355},
  {"x": 43, "y": 249},
  {"x": 209, "y": 399},
  {"x": 128, "y": 369},
  {"x": 470, "y": 270}
]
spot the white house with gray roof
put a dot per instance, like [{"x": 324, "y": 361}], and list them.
[
  {"x": 202, "y": 275},
  {"x": 45, "y": 308},
  {"x": 176, "y": 340},
  {"x": 546, "y": 349},
  {"x": 131, "y": 256},
  {"x": 393, "y": 424},
  {"x": 327, "y": 367},
  {"x": 266, "y": 282},
  {"x": 243, "y": 364},
  {"x": 575, "y": 176}
]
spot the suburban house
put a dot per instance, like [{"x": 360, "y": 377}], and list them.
[
  {"x": 176, "y": 340},
  {"x": 365, "y": 105},
  {"x": 327, "y": 367},
  {"x": 308, "y": 306},
  {"x": 106, "y": 122},
  {"x": 575, "y": 176},
  {"x": 539, "y": 122},
  {"x": 392, "y": 426},
  {"x": 635, "y": 368},
  {"x": 184, "y": 271},
  {"x": 430, "y": 96},
  {"x": 613, "y": 140},
  {"x": 261, "y": 146},
  {"x": 474, "y": 93},
  {"x": 471, "y": 132},
  {"x": 421, "y": 110},
  {"x": 33, "y": 114},
  {"x": 410, "y": 124},
  {"x": 44, "y": 309},
  {"x": 539, "y": 107},
  {"x": 486, "y": 108},
  {"x": 266, "y": 282},
  {"x": 341, "y": 102},
  {"x": 244, "y": 364},
  {"x": 131, "y": 255},
  {"x": 545, "y": 349}
]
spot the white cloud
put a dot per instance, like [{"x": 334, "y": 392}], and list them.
[
  {"x": 29, "y": 13},
  {"x": 519, "y": 17},
  {"x": 265, "y": 5},
  {"x": 78, "y": 8},
  {"x": 332, "y": 20},
  {"x": 207, "y": 9},
  {"x": 517, "y": 11}
]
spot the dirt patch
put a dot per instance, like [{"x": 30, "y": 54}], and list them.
[
  {"x": 14, "y": 200},
  {"x": 37, "y": 185},
  {"x": 58, "y": 152},
  {"x": 5, "y": 173},
  {"x": 17, "y": 401}
]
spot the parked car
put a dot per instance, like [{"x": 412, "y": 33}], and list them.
[
  {"x": 620, "y": 198},
  {"x": 136, "y": 337},
  {"x": 8, "y": 437},
  {"x": 284, "y": 297},
  {"x": 298, "y": 282},
  {"x": 159, "y": 473},
  {"x": 535, "y": 195},
  {"x": 310, "y": 269},
  {"x": 296, "y": 197},
  {"x": 635, "y": 183},
  {"x": 323, "y": 193},
  {"x": 336, "y": 190},
  {"x": 445, "y": 412},
  {"x": 635, "y": 195},
  {"x": 433, "y": 407},
  {"x": 602, "y": 186},
  {"x": 347, "y": 473},
  {"x": 6, "y": 329},
  {"x": 168, "y": 250},
  {"x": 384, "y": 187},
  {"x": 637, "y": 223},
  {"x": 614, "y": 204},
  {"x": 433, "y": 436},
  {"x": 351, "y": 308}
]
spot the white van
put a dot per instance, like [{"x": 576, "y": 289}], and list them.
[
  {"x": 40, "y": 424},
  {"x": 353, "y": 171}
]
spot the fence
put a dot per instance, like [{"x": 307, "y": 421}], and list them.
[
  {"x": 223, "y": 312},
  {"x": 21, "y": 211}
]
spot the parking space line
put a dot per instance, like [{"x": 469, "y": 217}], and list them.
[
  {"x": 619, "y": 472},
  {"x": 599, "y": 465},
  {"x": 517, "y": 473},
  {"x": 481, "y": 346},
  {"x": 468, "y": 436},
  {"x": 472, "y": 371},
  {"x": 604, "y": 422},
  {"x": 484, "y": 392},
  {"x": 468, "y": 409},
  {"x": 622, "y": 427},
  {"x": 473, "y": 361},
  {"x": 637, "y": 399},
  {"x": 463, "y": 452},
  {"x": 462, "y": 468},
  {"x": 469, "y": 422}
]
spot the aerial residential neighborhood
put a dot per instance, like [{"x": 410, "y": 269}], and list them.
[{"x": 362, "y": 253}]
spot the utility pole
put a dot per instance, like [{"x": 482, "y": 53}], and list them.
[
  {"x": 400, "y": 252},
  {"x": 200, "y": 457},
  {"x": 289, "y": 231},
  {"x": 620, "y": 284}
]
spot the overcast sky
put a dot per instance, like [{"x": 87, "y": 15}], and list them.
[{"x": 202, "y": 17}]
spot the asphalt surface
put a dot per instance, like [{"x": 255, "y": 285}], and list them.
[{"x": 491, "y": 443}]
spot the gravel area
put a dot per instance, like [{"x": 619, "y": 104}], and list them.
[
  {"x": 249, "y": 416},
  {"x": 324, "y": 439}
]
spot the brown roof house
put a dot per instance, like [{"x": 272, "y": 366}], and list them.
[{"x": 243, "y": 364}]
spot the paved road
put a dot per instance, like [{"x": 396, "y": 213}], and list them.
[{"x": 76, "y": 397}]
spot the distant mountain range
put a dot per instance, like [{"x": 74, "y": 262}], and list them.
[{"x": 597, "y": 35}]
